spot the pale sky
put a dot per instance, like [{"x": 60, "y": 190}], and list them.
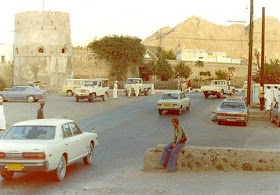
[{"x": 140, "y": 18}]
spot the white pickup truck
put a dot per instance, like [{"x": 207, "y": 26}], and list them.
[
  {"x": 217, "y": 88},
  {"x": 145, "y": 88}
]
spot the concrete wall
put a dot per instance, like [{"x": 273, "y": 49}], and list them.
[
  {"x": 217, "y": 159},
  {"x": 49, "y": 31}
]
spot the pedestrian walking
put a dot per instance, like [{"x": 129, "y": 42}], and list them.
[
  {"x": 136, "y": 89},
  {"x": 261, "y": 97},
  {"x": 170, "y": 153},
  {"x": 115, "y": 90},
  {"x": 2, "y": 117},
  {"x": 40, "y": 112},
  {"x": 189, "y": 86},
  {"x": 268, "y": 98},
  {"x": 129, "y": 89}
]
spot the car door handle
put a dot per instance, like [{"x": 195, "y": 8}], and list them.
[{"x": 66, "y": 144}]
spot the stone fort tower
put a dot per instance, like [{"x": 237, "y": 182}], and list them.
[{"x": 42, "y": 48}]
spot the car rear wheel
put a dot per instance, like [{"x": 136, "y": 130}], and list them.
[
  {"x": 31, "y": 98},
  {"x": 69, "y": 93},
  {"x": 7, "y": 174},
  {"x": 61, "y": 169},
  {"x": 77, "y": 99},
  {"x": 88, "y": 159},
  {"x": 160, "y": 111},
  {"x": 104, "y": 97}
]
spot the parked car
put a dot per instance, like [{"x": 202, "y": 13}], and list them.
[
  {"x": 217, "y": 88},
  {"x": 145, "y": 88},
  {"x": 232, "y": 110},
  {"x": 44, "y": 145},
  {"x": 69, "y": 86},
  {"x": 22, "y": 92},
  {"x": 173, "y": 101},
  {"x": 91, "y": 89},
  {"x": 275, "y": 114}
]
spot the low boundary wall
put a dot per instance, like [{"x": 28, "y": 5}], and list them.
[{"x": 192, "y": 158}]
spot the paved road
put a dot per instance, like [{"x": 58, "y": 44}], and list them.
[{"x": 127, "y": 127}]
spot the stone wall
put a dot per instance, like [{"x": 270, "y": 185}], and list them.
[
  {"x": 86, "y": 65},
  {"x": 193, "y": 158},
  {"x": 7, "y": 73}
]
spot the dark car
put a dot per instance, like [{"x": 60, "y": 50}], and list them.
[
  {"x": 275, "y": 114},
  {"x": 29, "y": 93},
  {"x": 232, "y": 111}
]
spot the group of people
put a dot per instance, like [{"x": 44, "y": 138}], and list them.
[
  {"x": 188, "y": 85},
  {"x": 268, "y": 97},
  {"x": 136, "y": 88}
]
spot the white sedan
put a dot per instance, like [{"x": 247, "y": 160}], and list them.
[
  {"x": 175, "y": 100},
  {"x": 44, "y": 145}
]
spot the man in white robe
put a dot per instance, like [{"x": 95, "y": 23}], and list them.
[
  {"x": 268, "y": 98},
  {"x": 115, "y": 90},
  {"x": 2, "y": 117},
  {"x": 136, "y": 88}
]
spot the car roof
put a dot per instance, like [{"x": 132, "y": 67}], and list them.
[
  {"x": 172, "y": 92},
  {"x": 44, "y": 122}
]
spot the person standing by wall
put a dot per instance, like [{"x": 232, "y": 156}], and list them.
[
  {"x": 40, "y": 112},
  {"x": 261, "y": 97},
  {"x": 170, "y": 153},
  {"x": 2, "y": 117},
  {"x": 268, "y": 98},
  {"x": 136, "y": 88},
  {"x": 275, "y": 95},
  {"x": 115, "y": 90}
]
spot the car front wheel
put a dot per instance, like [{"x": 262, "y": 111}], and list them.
[
  {"x": 7, "y": 174},
  {"x": 88, "y": 159},
  {"x": 30, "y": 98},
  {"x": 61, "y": 169}
]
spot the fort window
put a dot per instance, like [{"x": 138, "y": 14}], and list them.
[
  {"x": 52, "y": 22},
  {"x": 17, "y": 52},
  {"x": 64, "y": 50},
  {"x": 41, "y": 50}
]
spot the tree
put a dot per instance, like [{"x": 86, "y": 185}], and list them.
[
  {"x": 182, "y": 70},
  {"x": 207, "y": 74},
  {"x": 221, "y": 75},
  {"x": 199, "y": 64},
  {"x": 164, "y": 70},
  {"x": 164, "y": 54},
  {"x": 271, "y": 73},
  {"x": 122, "y": 52}
]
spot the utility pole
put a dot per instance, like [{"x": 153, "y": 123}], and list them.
[
  {"x": 249, "y": 82},
  {"x": 263, "y": 45}
]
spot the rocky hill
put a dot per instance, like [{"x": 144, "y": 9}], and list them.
[{"x": 197, "y": 33}]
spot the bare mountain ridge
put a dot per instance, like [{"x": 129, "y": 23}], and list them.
[{"x": 197, "y": 33}]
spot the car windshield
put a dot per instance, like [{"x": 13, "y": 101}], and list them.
[
  {"x": 90, "y": 83},
  {"x": 169, "y": 96},
  {"x": 233, "y": 105},
  {"x": 30, "y": 133},
  {"x": 132, "y": 80}
]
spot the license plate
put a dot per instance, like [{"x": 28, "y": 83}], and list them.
[
  {"x": 167, "y": 105},
  {"x": 14, "y": 166},
  {"x": 231, "y": 119}
]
